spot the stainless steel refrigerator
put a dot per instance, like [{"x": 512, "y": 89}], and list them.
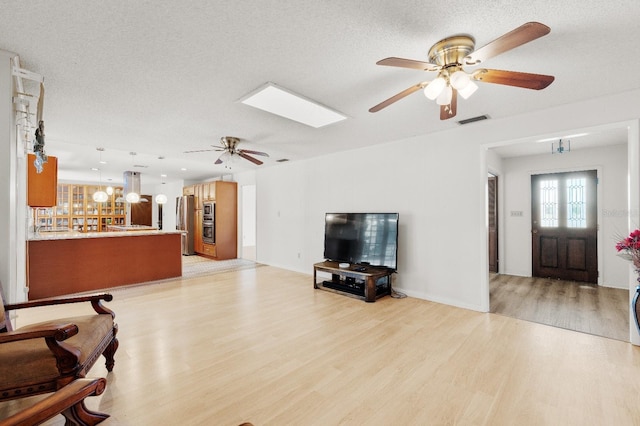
[{"x": 185, "y": 222}]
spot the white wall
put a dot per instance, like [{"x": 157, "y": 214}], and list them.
[
  {"x": 13, "y": 192},
  {"x": 611, "y": 164},
  {"x": 243, "y": 179},
  {"x": 437, "y": 182}
]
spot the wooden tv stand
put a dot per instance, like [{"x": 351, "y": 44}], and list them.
[{"x": 362, "y": 282}]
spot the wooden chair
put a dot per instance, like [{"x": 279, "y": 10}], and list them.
[
  {"x": 69, "y": 400},
  {"x": 46, "y": 357}
]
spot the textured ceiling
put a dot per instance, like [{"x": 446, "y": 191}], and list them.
[{"x": 162, "y": 77}]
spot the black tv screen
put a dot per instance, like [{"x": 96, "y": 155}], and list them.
[{"x": 362, "y": 238}]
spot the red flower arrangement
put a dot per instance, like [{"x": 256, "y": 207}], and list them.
[{"x": 631, "y": 247}]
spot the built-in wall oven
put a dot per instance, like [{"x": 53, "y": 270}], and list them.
[
  {"x": 208, "y": 232},
  {"x": 208, "y": 222},
  {"x": 208, "y": 211}
]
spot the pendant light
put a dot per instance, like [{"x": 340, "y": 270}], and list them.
[
  {"x": 161, "y": 198},
  {"x": 100, "y": 196},
  {"x": 132, "y": 184}
]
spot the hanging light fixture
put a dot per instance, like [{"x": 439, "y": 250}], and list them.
[
  {"x": 161, "y": 198},
  {"x": 132, "y": 184},
  {"x": 562, "y": 146},
  {"x": 100, "y": 196}
]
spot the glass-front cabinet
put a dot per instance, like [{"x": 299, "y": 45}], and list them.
[{"x": 77, "y": 211}]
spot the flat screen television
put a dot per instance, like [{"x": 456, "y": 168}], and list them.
[{"x": 362, "y": 238}]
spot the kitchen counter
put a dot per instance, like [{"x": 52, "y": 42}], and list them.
[
  {"x": 137, "y": 228},
  {"x": 61, "y": 235},
  {"x": 61, "y": 263}
]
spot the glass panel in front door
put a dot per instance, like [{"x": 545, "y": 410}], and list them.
[
  {"x": 576, "y": 203},
  {"x": 549, "y": 203}
]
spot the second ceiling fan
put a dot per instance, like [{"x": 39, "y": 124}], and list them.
[
  {"x": 450, "y": 55},
  {"x": 229, "y": 144}
]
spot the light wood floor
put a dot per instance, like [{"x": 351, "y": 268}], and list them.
[
  {"x": 261, "y": 345},
  {"x": 587, "y": 308}
]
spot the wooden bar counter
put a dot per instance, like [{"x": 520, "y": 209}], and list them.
[{"x": 73, "y": 262}]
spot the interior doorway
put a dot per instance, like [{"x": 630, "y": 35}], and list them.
[
  {"x": 249, "y": 222},
  {"x": 514, "y": 206},
  {"x": 492, "y": 213}
]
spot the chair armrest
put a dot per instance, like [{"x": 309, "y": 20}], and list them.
[
  {"x": 61, "y": 400},
  {"x": 95, "y": 299},
  {"x": 59, "y": 333}
]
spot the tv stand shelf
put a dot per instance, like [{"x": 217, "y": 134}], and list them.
[{"x": 363, "y": 282}]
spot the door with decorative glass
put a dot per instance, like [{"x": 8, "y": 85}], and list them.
[{"x": 564, "y": 226}]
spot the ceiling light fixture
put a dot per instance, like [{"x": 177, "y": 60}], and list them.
[
  {"x": 441, "y": 89},
  {"x": 161, "y": 198},
  {"x": 132, "y": 184},
  {"x": 444, "y": 98},
  {"x": 562, "y": 147},
  {"x": 285, "y": 103},
  {"x": 433, "y": 89},
  {"x": 100, "y": 196}
]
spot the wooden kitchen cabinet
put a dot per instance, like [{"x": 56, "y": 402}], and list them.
[
  {"x": 198, "y": 196},
  {"x": 188, "y": 190},
  {"x": 76, "y": 210},
  {"x": 42, "y": 188},
  {"x": 197, "y": 238},
  {"x": 204, "y": 192},
  {"x": 209, "y": 249},
  {"x": 225, "y": 195},
  {"x": 211, "y": 190},
  {"x": 226, "y": 220}
]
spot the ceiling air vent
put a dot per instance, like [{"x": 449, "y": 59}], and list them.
[{"x": 473, "y": 119}]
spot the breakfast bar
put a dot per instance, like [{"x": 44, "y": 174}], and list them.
[{"x": 62, "y": 263}]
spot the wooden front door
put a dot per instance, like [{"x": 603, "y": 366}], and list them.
[
  {"x": 492, "y": 204},
  {"x": 564, "y": 226}
]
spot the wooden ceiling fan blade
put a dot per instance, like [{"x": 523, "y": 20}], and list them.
[
  {"x": 219, "y": 160},
  {"x": 250, "y": 158},
  {"x": 248, "y": 151},
  {"x": 450, "y": 111},
  {"x": 513, "y": 78},
  {"x": 398, "y": 96},
  {"x": 408, "y": 63},
  {"x": 521, "y": 35}
]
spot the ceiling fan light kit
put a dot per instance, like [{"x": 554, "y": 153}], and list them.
[
  {"x": 450, "y": 55},
  {"x": 444, "y": 98},
  {"x": 433, "y": 89}
]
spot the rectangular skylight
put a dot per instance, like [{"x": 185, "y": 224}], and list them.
[{"x": 282, "y": 102}]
